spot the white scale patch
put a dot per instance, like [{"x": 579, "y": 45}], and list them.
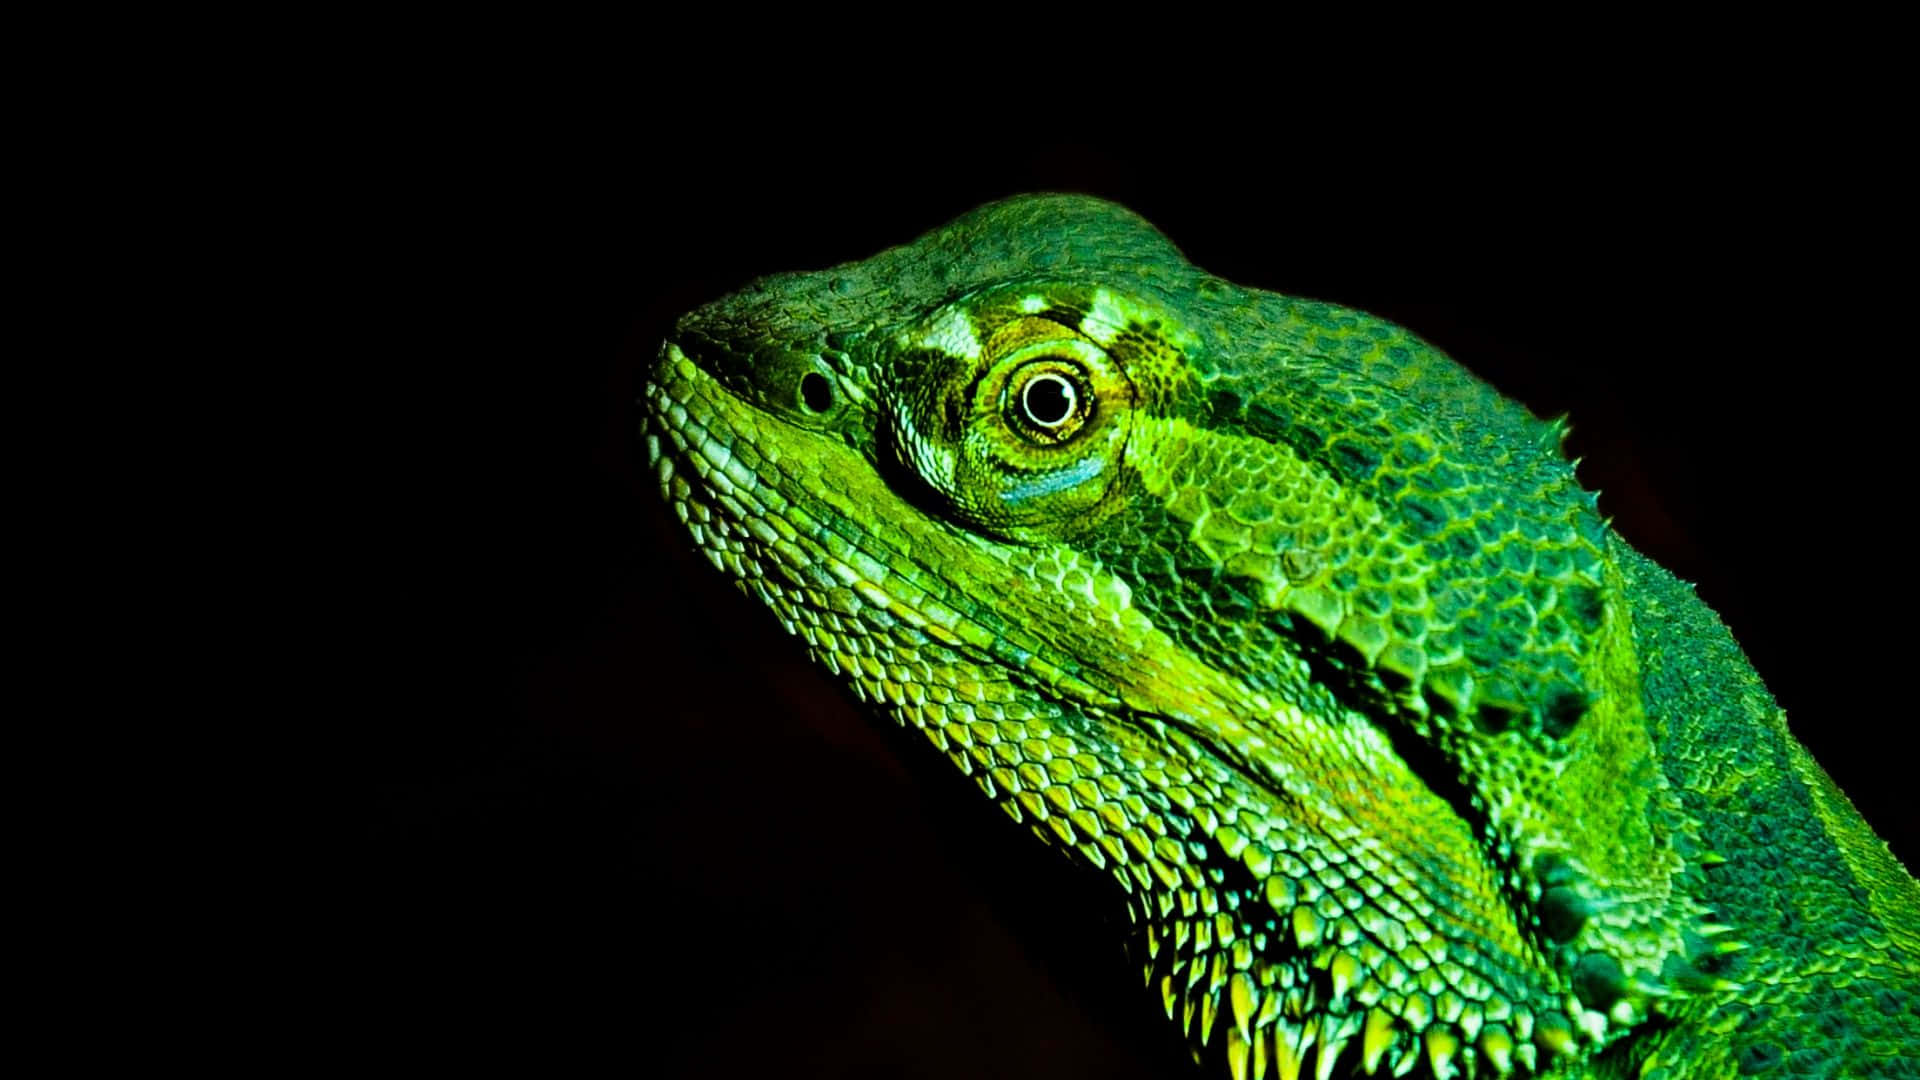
[
  {"x": 1107, "y": 318},
  {"x": 935, "y": 464},
  {"x": 1032, "y": 305},
  {"x": 951, "y": 332}
]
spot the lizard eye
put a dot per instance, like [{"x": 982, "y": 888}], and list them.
[
  {"x": 1049, "y": 400},
  {"x": 1023, "y": 438}
]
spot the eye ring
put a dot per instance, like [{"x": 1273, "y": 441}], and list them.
[{"x": 1049, "y": 400}]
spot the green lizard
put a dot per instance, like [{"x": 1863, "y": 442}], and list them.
[{"x": 1405, "y": 761}]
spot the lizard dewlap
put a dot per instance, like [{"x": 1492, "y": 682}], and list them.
[{"x": 1405, "y": 762}]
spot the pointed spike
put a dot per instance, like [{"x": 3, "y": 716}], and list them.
[
  {"x": 1288, "y": 1051},
  {"x": 1153, "y": 942},
  {"x": 1269, "y": 1008},
  {"x": 1378, "y": 1037},
  {"x": 1529, "y": 1056},
  {"x": 1345, "y": 971},
  {"x": 1649, "y": 986},
  {"x": 1241, "y": 995},
  {"x": 1522, "y": 1023},
  {"x": 1186, "y": 1016},
  {"x": 1259, "y": 1054},
  {"x": 1498, "y": 1048},
  {"x": 1209, "y": 1008},
  {"x": 1441, "y": 1046},
  {"x": 1409, "y": 1056},
  {"x": 1237, "y": 1054},
  {"x": 1555, "y": 1032},
  {"x": 1330, "y": 1050},
  {"x": 1167, "y": 995}
]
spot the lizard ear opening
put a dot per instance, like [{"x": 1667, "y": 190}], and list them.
[{"x": 816, "y": 392}]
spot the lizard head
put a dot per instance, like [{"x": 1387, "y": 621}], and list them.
[{"x": 1262, "y": 604}]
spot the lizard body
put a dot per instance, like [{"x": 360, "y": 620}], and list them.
[{"x": 1406, "y": 762}]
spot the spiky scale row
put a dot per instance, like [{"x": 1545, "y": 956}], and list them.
[{"x": 1389, "y": 1036}]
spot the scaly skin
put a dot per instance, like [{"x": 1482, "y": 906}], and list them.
[{"x": 1406, "y": 762}]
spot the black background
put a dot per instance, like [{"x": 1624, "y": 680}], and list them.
[{"x": 597, "y": 805}]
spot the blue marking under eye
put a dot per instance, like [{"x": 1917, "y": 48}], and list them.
[{"x": 1059, "y": 480}]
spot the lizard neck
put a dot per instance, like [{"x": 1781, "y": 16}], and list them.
[{"x": 1809, "y": 889}]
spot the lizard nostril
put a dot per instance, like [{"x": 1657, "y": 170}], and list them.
[{"x": 815, "y": 392}]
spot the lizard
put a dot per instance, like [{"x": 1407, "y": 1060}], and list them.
[{"x": 1402, "y": 759}]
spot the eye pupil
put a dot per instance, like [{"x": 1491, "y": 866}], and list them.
[{"x": 1048, "y": 400}]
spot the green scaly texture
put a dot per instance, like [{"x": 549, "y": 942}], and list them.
[{"x": 1405, "y": 762}]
